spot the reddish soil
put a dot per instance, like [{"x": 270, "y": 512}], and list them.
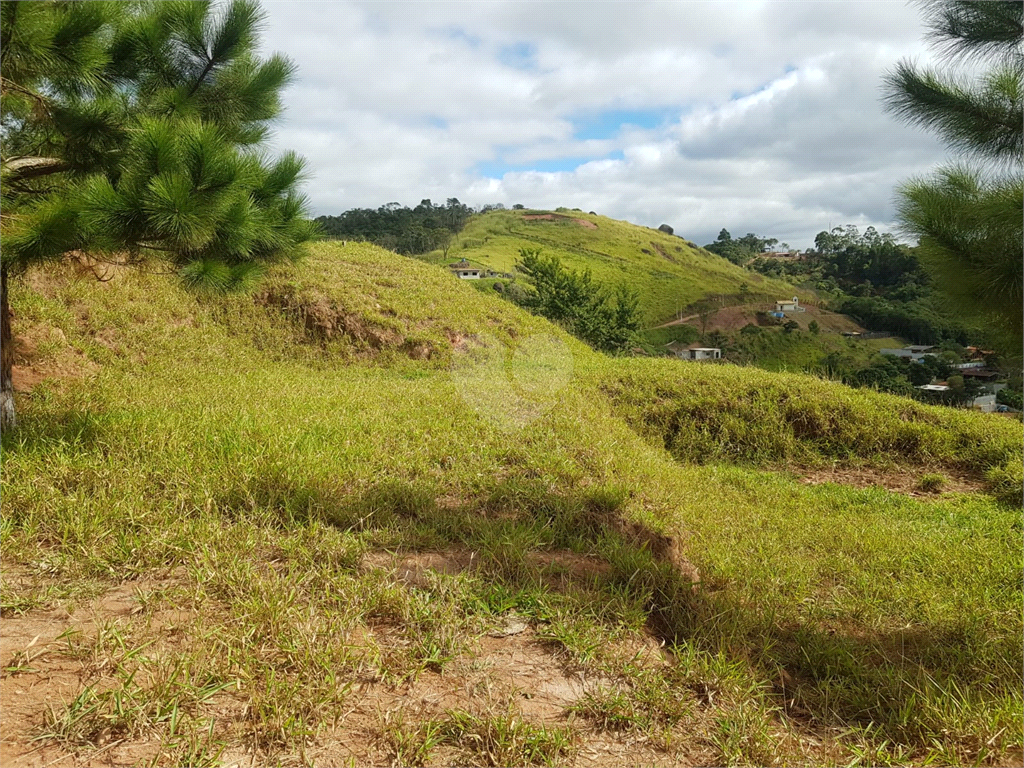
[
  {"x": 905, "y": 481},
  {"x": 507, "y": 669},
  {"x": 556, "y": 217},
  {"x": 42, "y": 673},
  {"x": 57, "y": 360},
  {"x": 735, "y": 317}
]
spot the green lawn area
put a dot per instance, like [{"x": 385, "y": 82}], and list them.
[
  {"x": 889, "y": 342},
  {"x": 262, "y": 448}
]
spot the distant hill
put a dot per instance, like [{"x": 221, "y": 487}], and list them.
[{"x": 670, "y": 273}]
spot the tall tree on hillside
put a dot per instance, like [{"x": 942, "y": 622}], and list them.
[
  {"x": 969, "y": 215},
  {"x": 134, "y": 131},
  {"x": 607, "y": 321}
]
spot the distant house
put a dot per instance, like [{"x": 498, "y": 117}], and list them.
[
  {"x": 985, "y": 403},
  {"x": 788, "y": 305},
  {"x": 981, "y": 374},
  {"x": 912, "y": 352},
  {"x": 699, "y": 353},
  {"x": 976, "y": 354},
  {"x": 465, "y": 271}
]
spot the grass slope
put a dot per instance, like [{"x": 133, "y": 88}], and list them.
[
  {"x": 670, "y": 273},
  {"x": 261, "y": 470}
]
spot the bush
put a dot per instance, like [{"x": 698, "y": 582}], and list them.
[
  {"x": 1006, "y": 483},
  {"x": 931, "y": 482},
  {"x": 607, "y": 320}
]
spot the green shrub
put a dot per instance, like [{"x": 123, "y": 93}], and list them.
[
  {"x": 931, "y": 482},
  {"x": 1006, "y": 483}
]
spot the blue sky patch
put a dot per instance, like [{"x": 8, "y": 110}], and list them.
[
  {"x": 518, "y": 56},
  {"x": 737, "y": 95},
  {"x": 607, "y": 125},
  {"x": 496, "y": 169},
  {"x": 455, "y": 33}
]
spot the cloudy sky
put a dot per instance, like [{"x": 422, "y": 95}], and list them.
[{"x": 756, "y": 116}]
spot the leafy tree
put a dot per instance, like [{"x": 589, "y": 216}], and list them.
[
  {"x": 813, "y": 327},
  {"x": 740, "y": 251},
  {"x": 885, "y": 374},
  {"x": 441, "y": 238},
  {"x": 607, "y": 321},
  {"x": 705, "y": 310},
  {"x": 1010, "y": 397},
  {"x": 854, "y": 259},
  {"x": 969, "y": 215},
  {"x": 135, "y": 132}
]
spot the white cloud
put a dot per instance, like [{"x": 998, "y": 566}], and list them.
[{"x": 770, "y": 119}]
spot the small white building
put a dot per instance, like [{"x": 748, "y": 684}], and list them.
[
  {"x": 700, "y": 353},
  {"x": 465, "y": 271},
  {"x": 788, "y": 305},
  {"x": 984, "y": 403}
]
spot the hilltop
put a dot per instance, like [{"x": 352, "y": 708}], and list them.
[
  {"x": 368, "y": 514},
  {"x": 669, "y": 273}
]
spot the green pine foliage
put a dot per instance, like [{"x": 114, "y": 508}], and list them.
[
  {"x": 134, "y": 130},
  {"x": 969, "y": 215}
]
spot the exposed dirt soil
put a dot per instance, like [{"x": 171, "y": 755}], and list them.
[
  {"x": 42, "y": 352},
  {"x": 661, "y": 251},
  {"x": 323, "y": 320},
  {"x": 733, "y": 318},
  {"x": 906, "y": 481},
  {"x": 508, "y": 669},
  {"x": 43, "y": 668},
  {"x": 558, "y": 216}
]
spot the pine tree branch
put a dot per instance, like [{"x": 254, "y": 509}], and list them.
[
  {"x": 202, "y": 76},
  {"x": 22, "y": 168},
  {"x": 42, "y": 104}
]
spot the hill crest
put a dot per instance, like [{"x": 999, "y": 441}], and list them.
[{"x": 669, "y": 272}]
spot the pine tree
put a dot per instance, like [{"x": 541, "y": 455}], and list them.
[
  {"x": 133, "y": 131},
  {"x": 969, "y": 215}
]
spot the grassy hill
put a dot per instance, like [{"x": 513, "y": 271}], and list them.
[
  {"x": 670, "y": 273},
  {"x": 369, "y": 515}
]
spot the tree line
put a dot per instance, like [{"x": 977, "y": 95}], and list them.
[{"x": 405, "y": 230}]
